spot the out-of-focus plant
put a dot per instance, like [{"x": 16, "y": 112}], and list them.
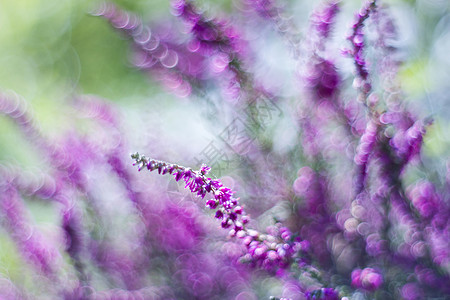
[{"x": 344, "y": 210}]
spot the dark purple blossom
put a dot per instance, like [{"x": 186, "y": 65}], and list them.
[{"x": 322, "y": 79}]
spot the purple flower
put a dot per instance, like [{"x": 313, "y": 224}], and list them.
[
  {"x": 407, "y": 143},
  {"x": 169, "y": 63},
  {"x": 356, "y": 38},
  {"x": 363, "y": 152},
  {"x": 322, "y": 79},
  {"x": 322, "y": 20},
  {"x": 424, "y": 198},
  {"x": 278, "y": 243},
  {"x": 199, "y": 184},
  {"x": 322, "y": 294},
  {"x": 367, "y": 279},
  {"x": 211, "y": 35},
  {"x": 33, "y": 245}
]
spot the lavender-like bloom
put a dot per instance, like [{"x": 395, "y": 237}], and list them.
[
  {"x": 367, "y": 279},
  {"x": 69, "y": 161},
  {"x": 32, "y": 244},
  {"x": 424, "y": 198},
  {"x": 271, "y": 251},
  {"x": 151, "y": 52},
  {"x": 362, "y": 80},
  {"x": 322, "y": 21},
  {"x": 363, "y": 151},
  {"x": 15, "y": 107},
  {"x": 225, "y": 205},
  {"x": 149, "y": 44},
  {"x": 323, "y": 294},
  {"x": 211, "y": 35},
  {"x": 407, "y": 143},
  {"x": 217, "y": 40},
  {"x": 322, "y": 79}
]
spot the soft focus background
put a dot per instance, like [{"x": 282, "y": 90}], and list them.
[
  {"x": 53, "y": 50},
  {"x": 54, "y": 53}
]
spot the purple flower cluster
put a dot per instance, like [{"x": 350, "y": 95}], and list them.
[
  {"x": 218, "y": 42},
  {"x": 368, "y": 279},
  {"x": 168, "y": 232},
  {"x": 33, "y": 245},
  {"x": 209, "y": 36},
  {"x": 175, "y": 66},
  {"x": 424, "y": 198},
  {"x": 322, "y": 294},
  {"x": 362, "y": 80},
  {"x": 322, "y": 79},
  {"x": 322, "y": 21},
  {"x": 225, "y": 205},
  {"x": 214, "y": 52},
  {"x": 272, "y": 251}
]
